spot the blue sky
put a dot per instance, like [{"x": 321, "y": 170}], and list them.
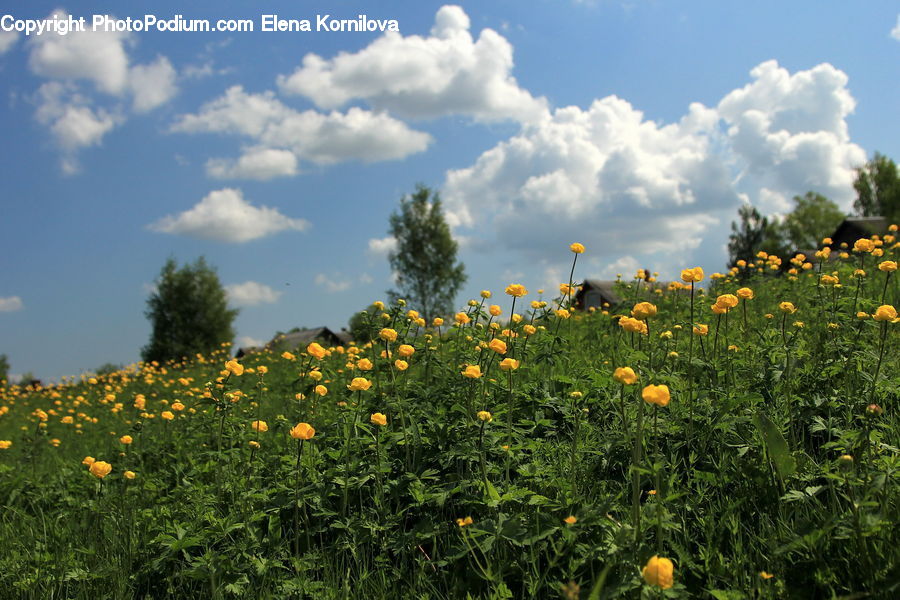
[{"x": 636, "y": 128}]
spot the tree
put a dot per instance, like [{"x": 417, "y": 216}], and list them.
[
  {"x": 754, "y": 233},
  {"x": 813, "y": 218},
  {"x": 4, "y": 369},
  {"x": 878, "y": 189},
  {"x": 424, "y": 260},
  {"x": 188, "y": 312}
]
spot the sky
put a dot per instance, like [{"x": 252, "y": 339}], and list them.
[{"x": 636, "y": 128}]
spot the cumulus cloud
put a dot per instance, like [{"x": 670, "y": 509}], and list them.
[
  {"x": 632, "y": 188},
  {"x": 310, "y": 135},
  {"x": 604, "y": 172},
  {"x": 382, "y": 246},
  {"x": 98, "y": 56},
  {"x": 448, "y": 72},
  {"x": 251, "y": 293},
  {"x": 77, "y": 115},
  {"x": 152, "y": 84},
  {"x": 11, "y": 304},
  {"x": 256, "y": 163},
  {"x": 332, "y": 284},
  {"x": 895, "y": 32},
  {"x": 790, "y": 131},
  {"x": 72, "y": 120},
  {"x": 7, "y": 40},
  {"x": 225, "y": 216}
]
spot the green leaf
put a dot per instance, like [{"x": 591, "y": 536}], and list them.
[{"x": 778, "y": 449}]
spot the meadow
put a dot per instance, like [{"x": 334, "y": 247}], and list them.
[{"x": 729, "y": 436}]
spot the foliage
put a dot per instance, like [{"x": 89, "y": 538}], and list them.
[
  {"x": 424, "y": 260},
  {"x": 814, "y": 217},
  {"x": 767, "y": 468},
  {"x": 753, "y": 233},
  {"x": 877, "y": 188},
  {"x": 188, "y": 312},
  {"x": 4, "y": 368}
]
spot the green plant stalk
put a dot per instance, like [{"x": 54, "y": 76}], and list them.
[{"x": 635, "y": 474}]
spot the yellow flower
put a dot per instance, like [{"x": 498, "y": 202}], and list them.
[
  {"x": 701, "y": 329},
  {"x": 888, "y": 266},
  {"x": 727, "y": 301},
  {"x": 632, "y": 325},
  {"x": 100, "y": 469},
  {"x": 129, "y": 474},
  {"x": 125, "y": 439},
  {"x": 177, "y": 406},
  {"x": 88, "y": 461},
  {"x": 829, "y": 280},
  {"x": 254, "y": 444},
  {"x": 692, "y": 275},
  {"x": 571, "y": 520},
  {"x": 656, "y": 394},
  {"x": 378, "y": 419},
  {"x": 863, "y": 245},
  {"x": 359, "y": 384},
  {"x": 485, "y": 294},
  {"x": 516, "y": 289},
  {"x": 495, "y": 310},
  {"x": 302, "y": 431},
  {"x": 234, "y": 367},
  {"x": 321, "y": 390},
  {"x": 167, "y": 415},
  {"x": 316, "y": 350},
  {"x": 529, "y": 329},
  {"x": 625, "y": 375},
  {"x": 259, "y": 426},
  {"x": 885, "y": 312},
  {"x": 577, "y": 248},
  {"x": 437, "y": 322},
  {"x": 388, "y": 334},
  {"x": 401, "y": 365},
  {"x": 509, "y": 364},
  {"x": 765, "y": 575},
  {"x": 405, "y": 350},
  {"x": 643, "y": 310},
  {"x": 461, "y": 318},
  {"x": 659, "y": 572},
  {"x": 378, "y": 304},
  {"x": 787, "y": 308},
  {"x": 498, "y": 346},
  {"x": 262, "y": 369},
  {"x": 287, "y": 355},
  {"x": 472, "y": 372},
  {"x": 5, "y": 444},
  {"x": 464, "y": 522},
  {"x": 364, "y": 364},
  {"x": 484, "y": 415}
]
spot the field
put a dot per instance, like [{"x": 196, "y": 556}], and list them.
[{"x": 736, "y": 440}]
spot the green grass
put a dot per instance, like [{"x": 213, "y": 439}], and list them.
[{"x": 744, "y": 461}]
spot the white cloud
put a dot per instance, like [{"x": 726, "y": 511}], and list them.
[
  {"x": 320, "y": 138},
  {"x": 445, "y": 73},
  {"x": 365, "y": 279},
  {"x": 895, "y": 32},
  {"x": 629, "y": 187},
  {"x": 98, "y": 56},
  {"x": 790, "y": 131},
  {"x": 77, "y": 117},
  {"x": 152, "y": 85},
  {"x": 225, "y": 216},
  {"x": 11, "y": 304},
  {"x": 73, "y": 121},
  {"x": 332, "y": 284},
  {"x": 256, "y": 163},
  {"x": 245, "y": 341},
  {"x": 382, "y": 246},
  {"x": 7, "y": 40},
  {"x": 251, "y": 293}
]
